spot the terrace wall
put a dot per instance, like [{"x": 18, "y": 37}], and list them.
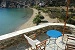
[{"x": 17, "y": 37}]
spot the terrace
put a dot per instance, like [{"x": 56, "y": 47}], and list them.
[{"x": 17, "y": 41}]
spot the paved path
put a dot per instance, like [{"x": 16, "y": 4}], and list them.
[{"x": 47, "y": 17}]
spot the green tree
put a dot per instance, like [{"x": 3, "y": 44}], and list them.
[{"x": 36, "y": 20}]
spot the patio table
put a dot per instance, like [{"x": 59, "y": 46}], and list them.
[{"x": 53, "y": 34}]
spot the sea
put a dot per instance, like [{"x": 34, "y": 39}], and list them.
[{"x": 12, "y": 18}]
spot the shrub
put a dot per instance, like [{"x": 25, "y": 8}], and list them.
[
  {"x": 36, "y": 20},
  {"x": 37, "y": 7},
  {"x": 40, "y": 16}
]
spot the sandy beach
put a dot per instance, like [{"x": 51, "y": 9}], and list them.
[{"x": 29, "y": 23}]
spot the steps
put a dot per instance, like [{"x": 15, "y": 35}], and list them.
[
  {"x": 73, "y": 31},
  {"x": 28, "y": 49}
]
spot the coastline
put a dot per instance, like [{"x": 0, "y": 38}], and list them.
[{"x": 29, "y": 23}]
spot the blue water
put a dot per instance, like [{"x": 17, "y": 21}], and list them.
[{"x": 11, "y": 19}]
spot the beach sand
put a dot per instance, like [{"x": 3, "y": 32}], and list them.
[{"x": 29, "y": 23}]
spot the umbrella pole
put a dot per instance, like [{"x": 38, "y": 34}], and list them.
[{"x": 68, "y": 1}]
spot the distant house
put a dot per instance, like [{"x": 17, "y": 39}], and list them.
[
  {"x": 3, "y": 4},
  {"x": 42, "y": 4}
]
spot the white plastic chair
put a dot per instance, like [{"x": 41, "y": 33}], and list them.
[{"x": 33, "y": 43}]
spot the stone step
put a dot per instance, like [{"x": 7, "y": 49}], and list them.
[
  {"x": 73, "y": 31},
  {"x": 28, "y": 49}
]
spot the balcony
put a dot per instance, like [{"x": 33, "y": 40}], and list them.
[{"x": 17, "y": 41}]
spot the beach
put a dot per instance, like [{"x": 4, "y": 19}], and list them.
[{"x": 29, "y": 23}]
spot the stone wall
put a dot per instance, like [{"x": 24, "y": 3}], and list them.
[
  {"x": 11, "y": 41},
  {"x": 20, "y": 38},
  {"x": 45, "y": 29}
]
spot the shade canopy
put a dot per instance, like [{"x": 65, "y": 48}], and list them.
[{"x": 54, "y": 33}]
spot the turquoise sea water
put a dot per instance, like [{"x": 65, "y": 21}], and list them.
[{"x": 11, "y": 19}]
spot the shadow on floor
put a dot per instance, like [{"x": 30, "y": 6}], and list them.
[{"x": 44, "y": 21}]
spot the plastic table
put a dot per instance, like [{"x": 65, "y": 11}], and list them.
[{"x": 53, "y": 34}]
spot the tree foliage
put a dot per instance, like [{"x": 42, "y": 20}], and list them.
[{"x": 38, "y": 18}]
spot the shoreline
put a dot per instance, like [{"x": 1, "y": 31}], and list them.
[{"x": 29, "y": 23}]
